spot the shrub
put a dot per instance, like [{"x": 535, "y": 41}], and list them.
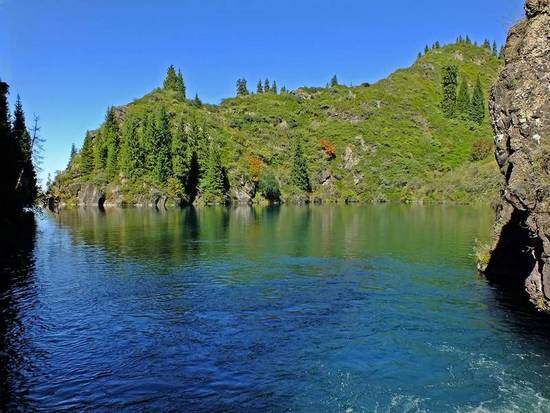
[
  {"x": 329, "y": 148},
  {"x": 269, "y": 186},
  {"x": 255, "y": 167},
  {"x": 481, "y": 149}
]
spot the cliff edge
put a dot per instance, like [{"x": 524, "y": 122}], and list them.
[{"x": 520, "y": 111}]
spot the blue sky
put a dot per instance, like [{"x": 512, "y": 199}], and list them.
[{"x": 69, "y": 60}]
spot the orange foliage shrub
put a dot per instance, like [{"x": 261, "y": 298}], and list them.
[
  {"x": 255, "y": 167},
  {"x": 329, "y": 148}
]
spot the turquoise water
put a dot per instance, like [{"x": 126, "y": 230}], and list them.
[{"x": 288, "y": 309}]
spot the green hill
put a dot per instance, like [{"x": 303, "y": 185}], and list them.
[{"x": 389, "y": 141}]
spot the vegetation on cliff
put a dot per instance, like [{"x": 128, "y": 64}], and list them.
[{"x": 415, "y": 136}]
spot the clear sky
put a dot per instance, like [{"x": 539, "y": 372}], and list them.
[{"x": 70, "y": 59}]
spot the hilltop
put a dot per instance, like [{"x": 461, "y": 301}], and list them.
[{"x": 389, "y": 141}]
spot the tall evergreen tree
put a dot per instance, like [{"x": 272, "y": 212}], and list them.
[
  {"x": 174, "y": 82},
  {"x": 25, "y": 184},
  {"x": 180, "y": 153},
  {"x": 259, "y": 87},
  {"x": 463, "y": 102},
  {"x": 111, "y": 137},
  {"x": 477, "y": 108},
  {"x": 131, "y": 154},
  {"x": 74, "y": 152},
  {"x": 162, "y": 143},
  {"x": 449, "y": 85},
  {"x": 197, "y": 102},
  {"x": 274, "y": 87},
  {"x": 299, "y": 174},
  {"x": 87, "y": 155},
  {"x": 495, "y": 49},
  {"x": 214, "y": 185},
  {"x": 148, "y": 134},
  {"x": 267, "y": 88},
  {"x": 334, "y": 81},
  {"x": 487, "y": 44},
  {"x": 426, "y": 49},
  {"x": 242, "y": 89},
  {"x": 7, "y": 153}
]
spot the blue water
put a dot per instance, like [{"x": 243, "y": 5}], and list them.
[{"x": 319, "y": 309}]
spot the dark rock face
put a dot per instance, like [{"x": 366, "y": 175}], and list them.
[
  {"x": 90, "y": 195},
  {"x": 520, "y": 110}
]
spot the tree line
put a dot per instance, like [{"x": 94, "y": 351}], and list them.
[
  {"x": 493, "y": 48},
  {"x": 19, "y": 148}
]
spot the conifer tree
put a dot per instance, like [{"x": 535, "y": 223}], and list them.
[
  {"x": 299, "y": 174},
  {"x": 179, "y": 151},
  {"x": 477, "y": 108},
  {"x": 495, "y": 49},
  {"x": 468, "y": 41},
  {"x": 487, "y": 44},
  {"x": 174, "y": 82},
  {"x": 463, "y": 102},
  {"x": 267, "y": 88},
  {"x": 426, "y": 49},
  {"x": 87, "y": 155},
  {"x": 214, "y": 185},
  {"x": 74, "y": 152},
  {"x": 162, "y": 141},
  {"x": 283, "y": 89},
  {"x": 111, "y": 137},
  {"x": 196, "y": 101},
  {"x": 437, "y": 45},
  {"x": 100, "y": 153},
  {"x": 274, "y": 87},
  {"x": 242, "y": 90},
  {"x": 147, "y": 138},
  {"x": 25, "y": 184},
  {"x": 449, "y": 84},
  {"x": 131, "y": 153},
  {"x": 7, "y": 153},
  {"x": 419, "y": 56},
  {"x": 333, "y": 81},
  {"x": 259, "y": 87}
]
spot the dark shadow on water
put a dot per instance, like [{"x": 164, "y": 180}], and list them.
[{"x": 17, "y": 295}]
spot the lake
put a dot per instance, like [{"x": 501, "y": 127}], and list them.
[{"x": 280, "y": 309}]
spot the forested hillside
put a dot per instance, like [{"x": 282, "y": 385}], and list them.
[{"x": 422, "y": 134}]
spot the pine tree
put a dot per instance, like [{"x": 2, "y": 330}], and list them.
[
  {"x": 174, "y": 82},
  {"x": 449, "y": 84},
  {"x": 299, "y": 174},
  {"x": 477, "y": 108},
  {"x": 214, "y": 185},
  {"x": 196, "y": 101},
  {"x": 463, "y": 102},
  {"x": 426, "y": 49},
  {"x": 25, "y": 185},
  {"x": 495, "y": 49},
  {"x": 283, "y": 89},
  {"x": 161, "y": 145},
  {"x": 180, "y": 152},
  {"x": 111, "y": 137},
  {"x": 131, "y": 153},
  {"x": 419, "y": 56},
  {"x": 74, "y": 152},
  {"x": 148, "y": 140},
  {"x": 487, "y": 44},
  {"x": 100, "y": 153},
  {"x": 267, "y": 88},
  {"x": 334, "y": 81},
  {"x": 259, "y": 87},
  {"x": 87, "y": 155},
  {"x": 242, "y": 90},
  {"x": 437, "y": 45},
  {"x": 274, "y": 87},
  {"x": 468, "y": 41}
]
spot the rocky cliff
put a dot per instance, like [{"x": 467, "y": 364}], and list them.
[{"x": 520, "y": 110}]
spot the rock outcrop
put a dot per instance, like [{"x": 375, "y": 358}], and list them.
[{"x": 520, "y": 110}]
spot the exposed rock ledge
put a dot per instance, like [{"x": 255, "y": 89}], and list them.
[{"x": 520, "y": 109}]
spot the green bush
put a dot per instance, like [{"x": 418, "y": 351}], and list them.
[{"x": 481, "y": 149}]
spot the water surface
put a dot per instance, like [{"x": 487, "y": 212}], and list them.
[{"x": 318, "y": 309}]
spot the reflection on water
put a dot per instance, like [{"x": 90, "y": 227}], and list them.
[
  {"x": 17, "y": 299},
  {"x": 328, "y": 308}
]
